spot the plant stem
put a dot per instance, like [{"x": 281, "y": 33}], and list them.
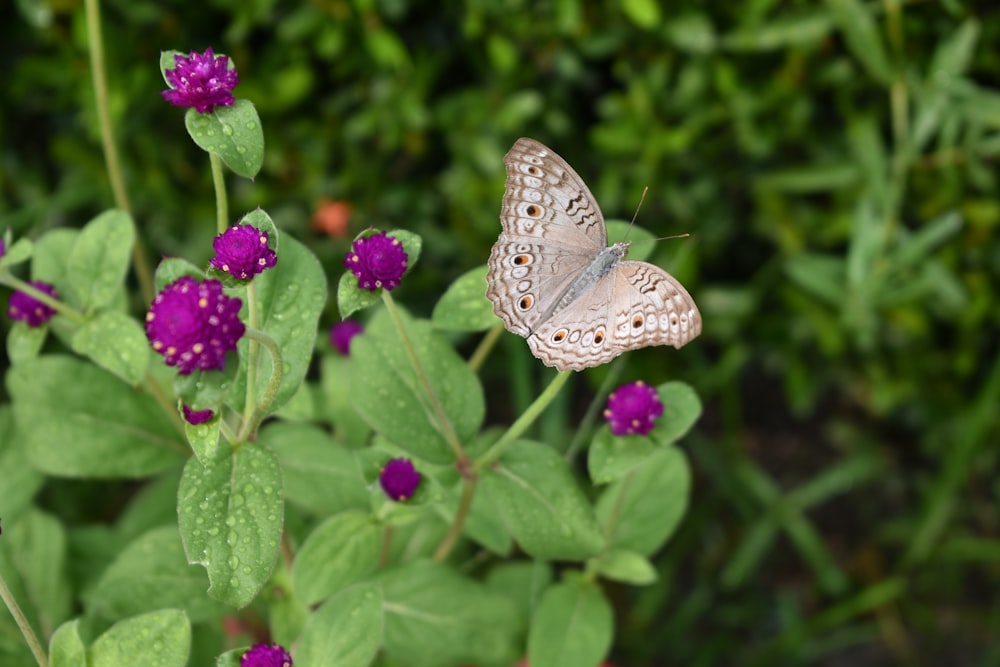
[
  {"x": 96, "y": 44},
  {"x": 277, "y": 373},
  {"x": 485, "y": 347},
  {"x": 461, "y": 513},
  {"x": 71, "y": 314},
  {"x": 524, "y": 421},
  {"x": 447, "y": 430},
  {"x": 23, "y": 624},
  {"x": 253, "y": 352},
  {"x": 221, "y": 201},
  {"x": 583, "y": 430}
]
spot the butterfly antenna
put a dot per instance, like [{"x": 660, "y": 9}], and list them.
[{"x": 636, "y": 214}]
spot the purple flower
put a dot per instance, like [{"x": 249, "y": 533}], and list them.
[
  {"x": 377, "y": 260},
  {"x": 399, "y": 479},
  {"x": 193, "y": 325},
  {"x": 201, "y": 80},
  {"x": 3, "y": 248},
  {"x": 633, "y": 409},
  {"x": 28, "y": 309},
  {"x": 195, "y": 417},
  {"x": 262, "y": 655},
  {"x": 242, "y": 252},
  {"x": 341, "y": 334}
]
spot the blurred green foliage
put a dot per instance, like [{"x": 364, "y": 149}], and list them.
[{"x": 834, "y": 162}]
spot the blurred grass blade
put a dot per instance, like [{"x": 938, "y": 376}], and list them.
[{"x": 863, "y": 37}]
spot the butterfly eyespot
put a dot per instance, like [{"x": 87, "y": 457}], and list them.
[
  {"x": 637, "y": 321},
  {"x": 598, "y": 337},
  {"x": 559, "y": 336},
  {"x": 533, "y": 170},
  {"x": 526, "y": 302},
  {"x": 521, "y": 260},
  {"x": 533, "y": 211}
]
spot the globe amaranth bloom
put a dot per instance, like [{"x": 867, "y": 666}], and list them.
[
  {"x": 264, "y": 655},
  {"x": 193, "y": 324},
  {"x": 633, "y": 409},
  {"x": 3, "y": 248},
  {"x": 195, "y": 417},
  {"x": 377, "y": 260},
  {"x": 242, "y": 252},
  {"x": 201, "y": 80},
  {"x": 341, "y": 334},
  {"x": 399, "y": 479},
  {"x": 28, "y": 309}
]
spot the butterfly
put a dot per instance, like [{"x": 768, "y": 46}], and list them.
[{"x": 553, "y": 279}]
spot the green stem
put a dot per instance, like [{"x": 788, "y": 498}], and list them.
[
  {"x": 21, "y": 286},
  {"x": 277, "y": 373},
  {"x": 253, "y": 352},
  {"x": 524, "y": 421},
  {"x": 23, "y": 624},
  {"x": 166, "y": 403},
  {"x": 447, "y": 430},
  {"x": 464, "y": 504},
  {"x": 221, "y": 201},
  {"x": 97, "y": 69},
  {"x": 485, "y": 347},
  {"x": 583, "y": 430}
]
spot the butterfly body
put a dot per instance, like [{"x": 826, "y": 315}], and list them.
[{"x": 554, "y": 280}]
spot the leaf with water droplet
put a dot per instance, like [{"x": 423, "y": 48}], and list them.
[
  {"x": 131, "y": 642},
  {"x": 239, "y": 127},
  {"x": 356, "y": 613},
  {"x": 253, "y": 523}
]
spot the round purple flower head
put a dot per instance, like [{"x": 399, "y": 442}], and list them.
[
  {"x": 242, "y": 252},
  {"x": 399, "y": 479},
  {"x": 633, "y": 409},
  {"x": 29, "y": 310},
  {"x": 193, "y": 325},
  {"x": 262, "y": 655},
  {"x": 3, "y": 248},
  {"x": 201, "y": 80},
  {"x": 195, "y": 417},
  {"x": 377, "y": 260},
  {"x": 341, "y": 334}
]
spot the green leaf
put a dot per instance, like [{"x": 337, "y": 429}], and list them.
[
  {"x": 627, "y": 567},
  {"x": 644, "y": 13},
  {"x": 822, "y": 276},
  {"x": 464, "y": 306},
  {"x": 51, "y": 258},
  {"x": 152, "y": 573},
  {"x": 233, "y": 133},
  {"x": 642, "y": 510},
  {"x": 81, "y": 421},
  {"x": 336, "y": 375},
  {"x": 66, "y": 649},
  {"x": 320, "y": 474},
  {"x": 204, "y": 437},
  {"x": 99, "y": 260},
  {"x": 483, "y": 523},
  {"x": 290, "y": 299},
  {"x": 172, "y": 268},
  {"x": 541, "y": 503},
  {"x": 789, "y": 29},
  {"x": 231, "y": 513},
  {"x": 390, "y": 381},
  {"x": 24, "y": 342},
  {"x": 572, "y": 626},
  {"x": 611, "y": 456},
  {"x": 435, "y": 616},
  {"x": 232, "y": 658},
  {"x": 19, "y": 481},
  {"x": 338, "y": 552},
  {"x": 20, "y": 251},
  {"x": 351, "y": 298},
  {"x": 521, "y": 581},
  {"x": 161, "y": 638},
  {"x": 863, "y": 37},
  {"x": 127, "y": 357},
  {"x": 681, "y": 410},
  {"x": 345, "y": 632},
  {"x": 33, "y": 563}
]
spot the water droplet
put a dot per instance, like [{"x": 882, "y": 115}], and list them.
[
  {"x": 234, "y": 562},
  {"x": 234, "y": 582},
  {"x": 251, "y": 125},
  {"x": 227, "y": 130}
]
